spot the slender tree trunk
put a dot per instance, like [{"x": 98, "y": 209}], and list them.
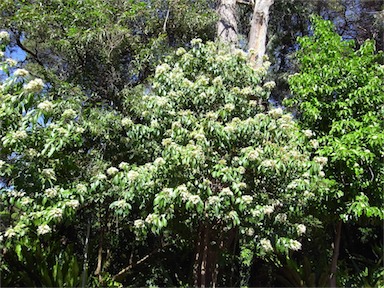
[
  {"x": 258, "y": 33},
  {"x": 227, "y": 25},
  {"x": 335, "y": 257}
]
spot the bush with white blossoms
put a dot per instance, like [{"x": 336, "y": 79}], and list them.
[{"x": 218, "y": 161}]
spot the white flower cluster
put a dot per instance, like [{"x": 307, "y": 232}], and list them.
[
  {"x": 139, "y": 223},
  {"x": 49, "y": 173},
  {"x": 126, "y": 122},
  {"x": 294, "y": 245},
  {"x": 123, "y": 165},
  {"x": 253, "y": 155},
  {"x": 81, "y": 188},
  {"x": 43, "y": 229},
  {"x": 19, "y": 135},
  {"x": 45, "y": 106},
  {"x": 276, "y": 113},
  {"x": 72, "y": 204},
  {"x": 25, "y": 201},
  {"x": 269, "y": 85},
  {"x": 321, "y": 160},
  {"x": 161, "y": 69},
  {"x": 122, "y": 204},
  {"x": 229, "y": 107},
  {"x": 213, "y": 200},
  {"x": 195, "y": 199},
  {"x": 34, "y": 86},
  {"x": 11, "y": 62},
  {"x": 112, "y": 171},
  {"x": 247, "y": 199},
  {"x": 132, "y": 175},
  {"x": 300, "y": 229},
  {"x": 21, "y": 73},
  {"x": 4, "y": 36},
  {"x": 226, "y": 192},
  {"x": 159, "y": 161},
  {"x": 308, "y": 133},
  {"x": 268, "y": 163},
  {"x": 268, "y": 210},
  {"x": 180, "y": 51},
  {"x": 266, "y": 245},
  {"x": 56, "y": 213},
  {"x": 69, "y": 113},
  {"x": 196, "y": 41},
  {"x": 281, "y": 218}
]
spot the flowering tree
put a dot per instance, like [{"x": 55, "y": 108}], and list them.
[
  {"x": 196, "y": 164},
  {"x": 226, "y": 173}
]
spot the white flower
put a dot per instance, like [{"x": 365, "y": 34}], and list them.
[
  {"x": 301, "y": 229},
  {"x": 166, "y": 141},
  {"x": 196, "y": 41},
  {"x": 268, "y": 209},
  {"x": 253, "y": 155},
  {"x": 81, "y": 188},
  {"x": 217, "y": 81},
  {"x": 21, "y": 73},
  {"x": 1, "y": 55},
  {"x": 159, "y": 161},
  {"x": 132, "y": 175},
  {"x": 120, "y": 204},
  {"x": 250, "y": 232},
  {"x": 321, "y": 160},
  {"x": 252, "y": 103},
  {"x": 112, "y": 171},
  {"x": 161, "y": 69},
  {"x": 241, "y": 170},
  {"x": 226, "y": 192},
  {"x": 25, "y": 201},
  {"x": 229, "y": 107},
  {"x": 35, "y": 85},
  {"x": 321, "y": 174},
  {"x": 45, "y": 106},
  {"x": 56, "y": 213},
  {"x": 268, "y": 163},
  {"x": 314, "y": 143},
  {"x": 213, "y": 200},
  {"x": 126, "y": 122},
  {"x": 195, "y": 199},
  {"x": 123, "y": 165},
  {"x": 180, "y": 51},
  {"x": 149, "y": 218},
  {"x": 10, "y": 233},
  {"x": 79, "y": 130},
  {"x": 155, "y": 124},
  {"x": 276, "y": 113},
  {"x": 308, "y": 133},
  {"x": 20, "y": 134},
  {"x": 4, "y": 36},
  {"x": 294, "y": 245},
  {"x": 72, "y": 204},
  {"x": 43, "y": 229},
  {"x": 2, "y": 163},
  {"x": 139, "y": 223},
  {"x": 69, "y": 113},
  {"x": 269, "y": 85},
  {"x": 11, "y": 62},
  {"x": 49, "y": 173},
  {"x": 281, "y": 217},
  {"x": 101, "y": 176},
  {"x": 247, "y": 199},
  {"x": 266, "y": 245}
]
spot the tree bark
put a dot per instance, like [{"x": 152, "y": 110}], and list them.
[
  {"x": 227, "y": 25},
  {"x": 335, "y": 257},
  {"x": 258, "y": 33}
]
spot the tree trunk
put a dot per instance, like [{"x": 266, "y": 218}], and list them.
[
  {"x": 335, "y": 257},
  {"x": 227, "y": 25},
  {"x": 258, "y": 33}
]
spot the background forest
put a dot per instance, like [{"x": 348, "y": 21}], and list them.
[{"x": 191, "y": 143}]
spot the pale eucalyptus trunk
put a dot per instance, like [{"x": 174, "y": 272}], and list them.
[
  {"x": 258, "y": 33},
  {"x": 227, "y": 25}
]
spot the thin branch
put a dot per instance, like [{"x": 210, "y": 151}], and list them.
[
  {"x": 165, "y": 22},
  {"x": 33, "y": 54},
  {"x": 124, "y": 271}
]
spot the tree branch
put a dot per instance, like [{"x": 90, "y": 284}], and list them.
[{"x": 33, "y": 54}]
